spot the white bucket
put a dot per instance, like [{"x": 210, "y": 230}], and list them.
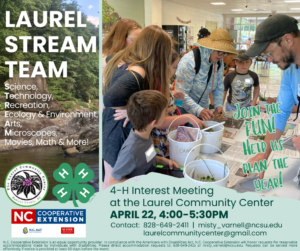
[
  {"x": 262, "y": 105},
  {"x": 179, "y": 150},
  {"x": 212, "y": 138},
  {"x": 217, "y": 169}
]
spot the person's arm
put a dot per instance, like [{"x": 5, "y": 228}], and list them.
[
  {"x": 294, "y": 110},
  {"x": 271, "y": 100},
  {"x": 185, "y": 75},
  {"x": 224, "y": 96},
  {"x": 181, "y": 119},
  {"x": 113, "y": 181},
  {"x": 166, "y": 162},
  {"x": 178, "y": 94},
  {"x": 125, "y": 165},
  {"x": 103, "y": 79},
  {"x": 266, "y": 154},
  {"x": 120, "y": 91},
  {"x": 256, "y": 88},
  {"x": 287, "y": 95},
  {"x": 218, "y": 91},
  {"x": 227, "y": 85},
  {"x": 121, "y": 113},
  {"x": 255, "y": 96}
]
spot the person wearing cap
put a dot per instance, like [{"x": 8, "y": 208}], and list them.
[
  {"x": 197, "y": 86},
  {"x": 203, "y": 33},
  {"x": 278, "y": 39},
  {"x": 239, "y": 83}
]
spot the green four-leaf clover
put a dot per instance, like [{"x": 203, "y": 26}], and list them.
[{"x": 64, "y": 174}]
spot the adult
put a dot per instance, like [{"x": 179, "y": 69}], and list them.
[
  {"x": 273, "y": 100},
  {"x": 202, "y": 34},
  {"x": 209, "y": 78},
  {"x": 120, "y": 36},
  {"x": 173, "y": 117},
  {"x": 147, "y": 62},
  {"x": 278, "y": 39}
]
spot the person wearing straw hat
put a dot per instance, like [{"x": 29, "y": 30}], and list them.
[
  {"x": 197, "y": 76},
  {"x": 278, "y": 39},
  {"x": 203, "y": 32}
]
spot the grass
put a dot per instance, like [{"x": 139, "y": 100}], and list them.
[
  {"x": 68, "y": 105},
  {"x": 94, "y": 108},
  {"x": 81, "y": 103},
  {"x": 2, "y": 106}
]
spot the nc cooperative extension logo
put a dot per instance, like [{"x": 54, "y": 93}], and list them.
[
  {"x": 48, "y": 223},
  {"x": 26, "y": 184}
]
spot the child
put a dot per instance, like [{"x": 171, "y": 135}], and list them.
[
  {"x": 146, "y": 110},
  {"x": 160, "y": 133},
  {"x": 239, "y": 83}
]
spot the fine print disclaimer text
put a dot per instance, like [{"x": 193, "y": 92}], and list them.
[{"x": 107, "y": 245}]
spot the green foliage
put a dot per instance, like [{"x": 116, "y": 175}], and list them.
[
  {"x": 2, "y": 91},
  {"x": 94, "y": 108},
  {"x": 107, "y": 13},
  {"x": 83, "y": 68},
  {"x": 68, "y": 105},
  {"x": 78, "y": 102},
  {"x": 2, "y": 97},
  {"x": 2, "y": 106}
]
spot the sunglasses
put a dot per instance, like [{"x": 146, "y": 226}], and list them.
[
  {"x": 132, "y": 39},
  {"x": 268, "y": 55},
  {"x": 222, "y": 53}
]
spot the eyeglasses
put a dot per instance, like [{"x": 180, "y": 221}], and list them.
[
  {"x": 268, "y": 55},
  {"x": 132, "y": 39},
  {"x": 222, "y": 53}
]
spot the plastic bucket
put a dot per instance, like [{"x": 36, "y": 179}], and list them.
[
  {"x": 212, "y": 138},
  {"x": 262, "y": 105},
  {"x": 216, "y": 169},
  {"x": 180, "y": 150}
]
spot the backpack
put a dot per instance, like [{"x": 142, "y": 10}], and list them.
[{"x": 197, "y": 58}]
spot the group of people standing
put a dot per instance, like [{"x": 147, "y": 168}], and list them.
[
  {"x": 145, "y": 64},
  {"x": 136, "y": 60}
]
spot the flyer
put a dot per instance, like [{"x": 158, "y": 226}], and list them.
[{"x": 58, "y": 192}]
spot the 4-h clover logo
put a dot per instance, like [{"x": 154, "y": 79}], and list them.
[{"x": 64, "y": 174}]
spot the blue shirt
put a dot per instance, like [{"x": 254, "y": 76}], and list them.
[
  {"x": 194, "y": 85},
  {"x": 287, "y": 95}
]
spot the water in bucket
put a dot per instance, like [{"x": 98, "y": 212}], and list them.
[{"x": 214, "y": 167}]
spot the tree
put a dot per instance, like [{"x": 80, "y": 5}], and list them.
[{"x": 83, "y": 68}]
